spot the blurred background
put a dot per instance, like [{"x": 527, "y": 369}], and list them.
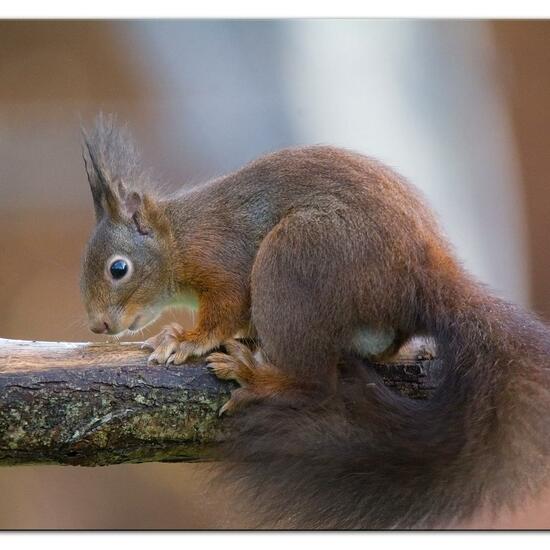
[{"x": 462, "y": 108}]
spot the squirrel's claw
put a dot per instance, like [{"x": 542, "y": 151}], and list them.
[
  {"x": 163, "y": 353},
  {"x": 239, "y": 399},
  {"x": 180, "y": 355},
  {"x": 224, "y": 408}
]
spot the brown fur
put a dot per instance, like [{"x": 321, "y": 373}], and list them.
[{"x": 304, "y": 247}]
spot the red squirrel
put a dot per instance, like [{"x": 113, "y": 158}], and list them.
[{"x": 324, "y": 256}]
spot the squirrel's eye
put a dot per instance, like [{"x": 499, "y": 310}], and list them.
[{"x": 118, "y": 269}]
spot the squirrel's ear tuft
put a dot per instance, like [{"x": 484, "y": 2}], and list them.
[
  {"x": 116, "y": 177},
  {"x": 112, "y": 162},
  {"x": 105, "y": 200}
]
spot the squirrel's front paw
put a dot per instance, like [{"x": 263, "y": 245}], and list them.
[{"x": 172, "y": 345}]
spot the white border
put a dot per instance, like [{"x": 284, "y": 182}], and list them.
[
  {"x": 470, "y": 9},
  {"x": 273, "y": 540}
]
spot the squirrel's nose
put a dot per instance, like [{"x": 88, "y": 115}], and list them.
[{"x": 99, "y": 327}]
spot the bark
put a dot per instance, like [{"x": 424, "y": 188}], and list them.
[{"x": 100, "y": 404}]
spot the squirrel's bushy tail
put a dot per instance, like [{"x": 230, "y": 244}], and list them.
[{"x": 373, "y": 459}]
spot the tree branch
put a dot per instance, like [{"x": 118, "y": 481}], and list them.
[{"x": 99, "y": 404}]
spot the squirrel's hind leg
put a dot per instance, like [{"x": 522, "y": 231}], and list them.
[
  {"x": 257, "y": 378},
  {"x": 302, "y": 306}
]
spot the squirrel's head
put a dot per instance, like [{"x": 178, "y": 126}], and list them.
[{"x": 125, "y": 276}]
